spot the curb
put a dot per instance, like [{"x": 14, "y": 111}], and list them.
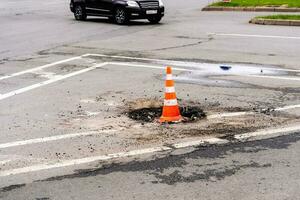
[
  {"x": 251, "y": 9},
  {"x": 275, "y": 22}
]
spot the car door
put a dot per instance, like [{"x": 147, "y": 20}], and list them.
[
  {"x": 104, "y": 6},
  {"x": 95, "y": 7}
]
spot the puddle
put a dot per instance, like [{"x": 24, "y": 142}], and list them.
[{"x": 204, "y": 73}]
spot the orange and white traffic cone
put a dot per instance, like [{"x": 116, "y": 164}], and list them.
[{"x": 171, "y": 112}]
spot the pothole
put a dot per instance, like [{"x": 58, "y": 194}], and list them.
[{"x": 189, "y": 113}]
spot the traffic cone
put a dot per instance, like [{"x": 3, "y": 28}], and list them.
[{"x": 171, "y": 111}]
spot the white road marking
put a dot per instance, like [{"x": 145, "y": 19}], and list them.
[
  {"x": 199, "y": 142},
  {"x": 69, "y": 163},
  {"x": 80, "y": 161},
  {"x": 259, "y": 134},
  {"x": 256, "y": 36},
  {"x": 183, "y": 69},
  {"x": 288, "y": 107},
  {"x": 236, "y": 114},
  {"x": 47, "y": 82},
  {"x": 171, "y": 62},
  {"x": 130, "y": 58},
  {"x": 89, "y": 113},
  {"x": 274, "y": 77},
  {"x": 41, "y": 67},
  {"x": 233, "y": 114},
  {"x": 2, "y": 162},
  {"x": 55, "y": 78},
  {"x": 53, "y": 138},
  {"x": 146, "y": 66}
]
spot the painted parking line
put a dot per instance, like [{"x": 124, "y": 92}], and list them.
[
  {"x": 287, "y": 107},
  {"x": 2, "y": 162},
  {"x": 171, "y": 62},
  {"x": 53, "y": 138},
  {"x": 147, "y": 66},
  {"x": 274, "y": 77},
  {"x": 68, "y": 163},
  {"x": 41, "y": 67},
  {"x": 255, "y": 36},
  {"x": 184, "y": 69},
  {"x": 261, "y": 134},
  {"x": 174, "y": 62},
  {"x": 233, "y": 114},
  {"x": 236, "y": 114},
  {"x": 47, "y": 82},
  {"x": 56, "y": 78},
  {"x": 62, "y": 77},
  {"x": 134, "y": 153}
]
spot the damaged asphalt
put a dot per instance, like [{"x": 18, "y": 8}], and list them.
[
  {"x": 207, "y": 164},
  {"x": 189, "y": 113}
]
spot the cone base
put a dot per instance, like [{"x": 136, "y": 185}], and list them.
[{"x": 163, "y": 119}]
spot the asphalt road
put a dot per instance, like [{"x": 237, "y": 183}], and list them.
[
  {"x": 185, "y": 33},
  {"x": 267, "y": 169},
  {"x": 60, "y": 112}
]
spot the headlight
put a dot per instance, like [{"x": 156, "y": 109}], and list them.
[
  {"x": 132, "y": 4},
  {"x": 160, "y": 3}
]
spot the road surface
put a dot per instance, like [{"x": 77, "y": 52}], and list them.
[{"x": 66, "y": 88}]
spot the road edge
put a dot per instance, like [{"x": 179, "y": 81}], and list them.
[
  {"x": 250, "y": 9},
  {"x": 279, "y": 22}
]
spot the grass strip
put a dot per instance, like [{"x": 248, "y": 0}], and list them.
[{"x": 258, "y": 3}]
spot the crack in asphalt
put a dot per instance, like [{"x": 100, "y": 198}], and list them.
[{"x": 184, "y": 45}]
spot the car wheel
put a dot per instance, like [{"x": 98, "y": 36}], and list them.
[
  {"x": 154, "y": 20},
  {"x": 121, "y": 16},
  {"x": 79, "y": 12}
]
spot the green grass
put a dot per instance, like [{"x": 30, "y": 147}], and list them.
[
  {"x": 254, "y": 3},
  {"x": 283, "y": 17}
]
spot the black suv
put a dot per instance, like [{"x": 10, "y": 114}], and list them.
[{"x": 121, "y": 11}]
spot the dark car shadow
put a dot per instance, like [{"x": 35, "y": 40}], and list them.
[{"x": 109, "y": 21}]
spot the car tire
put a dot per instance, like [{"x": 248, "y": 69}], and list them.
[
  {"x": 79, "y": 13},
  {"x": 154, "y": 19},
  {"x": 121, "y": 16}
]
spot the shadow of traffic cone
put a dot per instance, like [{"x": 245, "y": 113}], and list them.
[{"x": 171, "y": 111}]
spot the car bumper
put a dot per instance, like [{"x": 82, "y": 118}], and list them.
[{"x": 139, "y": 13}]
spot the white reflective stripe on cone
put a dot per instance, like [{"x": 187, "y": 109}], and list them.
[
  {"x": 169, "y": 77},
  {"x": 170, "y": 90},
  {"x": 171, "y": 102}
]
